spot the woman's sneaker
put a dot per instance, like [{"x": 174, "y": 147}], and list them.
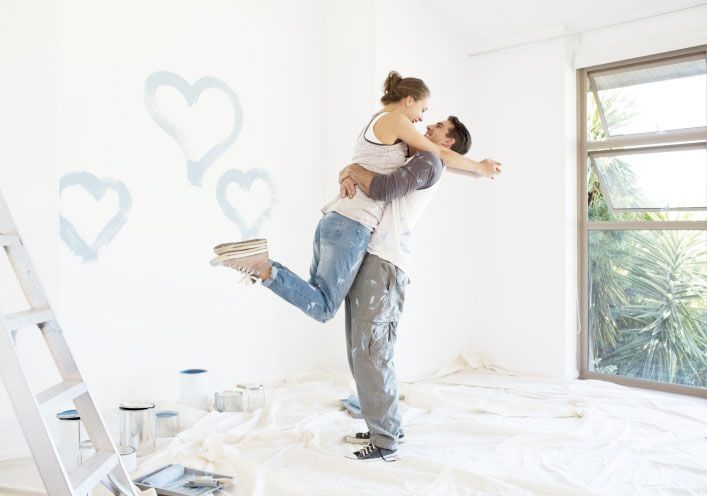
[
  {"x": 249, "y": 257},
  {"x": 373, "y": 452},
  {"x": 237, "y": 246},
  {"x": 365, "y": 438}
]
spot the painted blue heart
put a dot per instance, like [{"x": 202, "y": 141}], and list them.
[
  {"x": 196, "y": 167},
  {"x": 97, "y": 188},
  {"x": 245, "y": 181}
]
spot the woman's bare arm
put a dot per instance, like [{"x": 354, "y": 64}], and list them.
[{"x": 400, "y": 126}]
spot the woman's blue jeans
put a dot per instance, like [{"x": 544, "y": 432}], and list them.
[{"x": 339, "y": 247}]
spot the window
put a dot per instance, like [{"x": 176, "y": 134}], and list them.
[{"x": 643, "y": 221}]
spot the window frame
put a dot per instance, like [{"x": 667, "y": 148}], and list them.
[
  {"x": 584, "y": 225},
  {"x": 641, "y": 150}
]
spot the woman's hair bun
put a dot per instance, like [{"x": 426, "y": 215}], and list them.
[{"x": 391, "y": 82}]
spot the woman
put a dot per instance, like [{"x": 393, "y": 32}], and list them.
[{"x": 343, "y": 233}]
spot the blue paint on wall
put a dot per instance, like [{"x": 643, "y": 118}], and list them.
[
  {"x": 97, "y": 188},
  {"x": 245, "y": 181},
  {"x": 196, "y": 166}
]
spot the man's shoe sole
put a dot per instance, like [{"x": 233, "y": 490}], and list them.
[
  {"x": 388, "y": 458},
  {"x": 355, "y": 440}
]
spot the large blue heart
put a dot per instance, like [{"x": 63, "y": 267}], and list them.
[
  {"x": 196, "y": 167},
  {"x": 97, "y": 188},
  {"x": 245, "y": 181}
]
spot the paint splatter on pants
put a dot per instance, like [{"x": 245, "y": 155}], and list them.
[
  {"x": 339, "y": 246},
  {"x": 373, "y": 308}
]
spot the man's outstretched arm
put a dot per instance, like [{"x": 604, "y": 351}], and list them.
[{"x": 421, "y": 172}]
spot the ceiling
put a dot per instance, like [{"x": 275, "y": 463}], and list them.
[{"x": 488, "y": 25}]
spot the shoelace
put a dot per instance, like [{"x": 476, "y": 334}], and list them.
[
  {"x": 248, "y": 276},
  {"x": 368, "y": 449}
]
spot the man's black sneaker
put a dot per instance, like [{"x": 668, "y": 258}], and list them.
[
  {"x": 365, "y": 438},
  {"x": 372, "y": 452}
]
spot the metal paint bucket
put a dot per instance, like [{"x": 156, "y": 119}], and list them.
[
  {"x": 229, "y": 401},
  {"x": 254, "y": 393},
  {"x": 167, "y": 423},
  {"x": 69, "y": 438},
  {"x": 137, "y": 427}
]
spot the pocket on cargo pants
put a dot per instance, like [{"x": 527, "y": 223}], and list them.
[{"x": 381, "y": 346}]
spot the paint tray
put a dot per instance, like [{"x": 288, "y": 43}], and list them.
[{"x": 171, "y": 480}]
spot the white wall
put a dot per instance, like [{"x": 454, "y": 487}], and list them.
[
  {"x": 152, "y": 301},
  {"x": 522, "y": 240},
  {"x": 28, "y": 129},
  {"x": 682, "y": 29}
]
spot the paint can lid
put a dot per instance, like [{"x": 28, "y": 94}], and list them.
[
  {"x": 229, "y": 393},
  {"x": 125, "y": 450},
  {"x": 193, "y": 371},
  {"x": 68, "y": 415},
  {"x": 251, "y": 386},
  {"x": 136, "y": 406}
]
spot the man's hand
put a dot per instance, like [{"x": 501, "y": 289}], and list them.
[
  {"x": 489, "y": 168},
  {"x": 347, "y": 188},
  {"x": 361, "y": 176}
]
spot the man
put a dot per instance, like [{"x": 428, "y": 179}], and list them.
[{"x": 374, "y": 303}]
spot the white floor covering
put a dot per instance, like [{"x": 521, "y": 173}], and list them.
[{"x": 470, "y": 430}]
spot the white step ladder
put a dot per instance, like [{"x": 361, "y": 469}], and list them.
[{"x": 105, "y": 465}]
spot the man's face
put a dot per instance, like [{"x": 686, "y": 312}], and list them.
[{"x": 437, "y": 133}]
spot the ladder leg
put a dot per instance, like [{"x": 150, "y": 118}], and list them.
[
  {"x": 40, "y": 443},
  {"x": 59, "y": 349},
  {"x": 122, "y": 485},
  {"x": 90, "y": 416},
  {"x": 98, "y": 433}
]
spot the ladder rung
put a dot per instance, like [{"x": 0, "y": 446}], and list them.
[
  {"x": 9, "y": 240},
  {"x": 28, "y": 317},
  {"x": 61, "y": 393},
  {"x": 90, "y": 473}
]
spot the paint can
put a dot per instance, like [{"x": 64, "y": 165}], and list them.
[
  {"x": 193, "y": 388},
  {"x": 128, "y": 455},
  {"x": 86, "y": 451},
  {"x": 69, "y": 439},
  {"x": 254, "y": 393},
  {"x": 137, "y": 427},
  {"x": 229, "y": 401},
  {"x": 167, "y": 423}
]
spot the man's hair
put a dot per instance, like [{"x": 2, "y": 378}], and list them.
[{"x": 460, "y": 134}]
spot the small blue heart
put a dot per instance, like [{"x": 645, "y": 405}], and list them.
[
  {"x": 97, "y": 188},
  {"x": 195, "y": 167},
  {"x": 245, "y": 181}
]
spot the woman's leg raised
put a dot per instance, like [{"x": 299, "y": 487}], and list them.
[{"x": 339, "y": 247}]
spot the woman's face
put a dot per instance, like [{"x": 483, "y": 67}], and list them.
[{"x": 414, "y": 109}]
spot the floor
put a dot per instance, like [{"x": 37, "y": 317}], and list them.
[{"x": 470, "y": 430}]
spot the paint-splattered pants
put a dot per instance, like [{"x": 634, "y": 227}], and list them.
[
  {"x": 339, "y": 246},
  {"x": 373, "y": 308}
]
